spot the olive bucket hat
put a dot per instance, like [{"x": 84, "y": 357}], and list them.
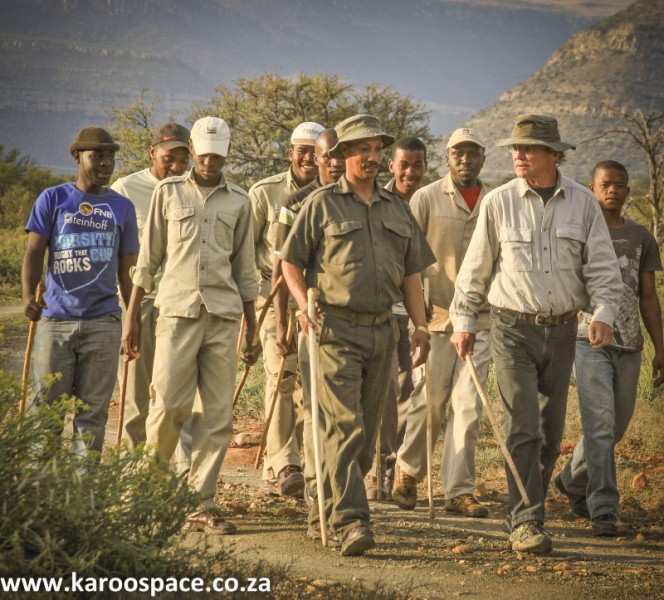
[
  {"x": 358, "y": 127},
  {"x": 536, "y": 130},
  {"x": 93, "y": 138}
]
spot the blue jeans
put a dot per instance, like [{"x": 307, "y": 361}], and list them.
[
  {"x": 86, "y": 354},
  {"x": 533, "y": 367},
  {"x": 606, "y": 380}
]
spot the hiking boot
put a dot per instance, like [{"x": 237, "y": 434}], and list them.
[
  {"x": 530, "y": 537},
  {"x": 210, "y": 521},
  {"x": 371, "y": 487},
  {"x": 269, "y": 487},
  {"x": 466, "y": 505},
  {"x": 357, "y": 541},
  {"x": 404, "y": 490},
  {"x": 605, "y": 526},
  {"x": 313, "y": 533},
  {"x": 290, "y": 481},
  {"x": 577, "y": 503}
]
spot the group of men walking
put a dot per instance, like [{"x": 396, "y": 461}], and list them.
[{"x": 508, "y": 275}]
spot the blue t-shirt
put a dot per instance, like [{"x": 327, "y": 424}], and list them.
[{"x": 85, "y": 233}]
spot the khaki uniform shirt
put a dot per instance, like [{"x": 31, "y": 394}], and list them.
[
  {"x": 361, "y": 252},
  {"x": 203, "y": 241},
  {"x": 138, "y": 187},
  {"x": 267, "y": 197},
  {"x": 538, "y": 259},
  {"x": 448, "y": 225}
]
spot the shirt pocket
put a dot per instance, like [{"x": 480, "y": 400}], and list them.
[
  {"x": 273, "y": 223},
  {"x": 516, "y": 248},
  {"x": 180, "y": 223},
  {"x": 397, "y": 240},
  {"x": 570, "y": 240},
  {"x": 343, "y": 242},
  {"x": 224, "y": 227}
]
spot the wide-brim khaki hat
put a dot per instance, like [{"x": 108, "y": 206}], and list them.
[
  {"x": 536, "y": 130},
  {"x": 358, "y": 127}
]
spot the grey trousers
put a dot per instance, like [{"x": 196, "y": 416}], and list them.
[{"x": 533, "y": 367}]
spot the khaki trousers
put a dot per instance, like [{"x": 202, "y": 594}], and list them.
[
  {"x": 194, "y": 354},
  {"x": 354, "y": 375},
  {"x": 453, "y": 399},
  {"x": 281, "y": 446}
]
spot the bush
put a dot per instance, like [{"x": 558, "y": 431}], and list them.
[{"x": 120, "y": 518}]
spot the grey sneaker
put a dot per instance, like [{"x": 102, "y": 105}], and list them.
[
  {"x": 404, "y": 490},
  {"x": 605, "y": 526},
  {"x": 530, "y": 537}
]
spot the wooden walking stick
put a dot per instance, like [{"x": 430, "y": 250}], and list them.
[
  {"x": 430, "y": 440},
  {"x": 312, "y": 294},
  {"x": 275, "y": 395},
  {"x": 496, "y": 430},
  {"x": 28, "y": 353},
  {"x": 243, "y": 326},
  {"x": 379, "y": 468},
  {"x": 254, "y": 341},
  {"x": 123, "y": 394}
]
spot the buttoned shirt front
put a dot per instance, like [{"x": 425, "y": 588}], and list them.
[
  {"x": 538, "y": 258},
  {"x": 448, "y": 225},
  {"x": 360, "y": 251},
  {"x": 267, "y": 197},
  {"x": 202, "y": 239}
]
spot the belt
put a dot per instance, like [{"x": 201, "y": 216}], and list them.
[
  {"x": 541, "y": 319},
  {"x": 356, "y": 318}
]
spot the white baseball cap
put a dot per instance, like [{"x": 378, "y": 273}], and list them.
[
  {"x": 464, "y": 134},
  {"x": 210, "y": 135},
  {"x": 305, "y": 134}
]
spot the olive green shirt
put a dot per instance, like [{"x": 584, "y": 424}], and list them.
[
  {"x": 360, "y": 251},
  {"x": 267, "y": 197},
  {"x": 203, "y": 241}
]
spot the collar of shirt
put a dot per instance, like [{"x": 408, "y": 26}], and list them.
[
  {"x": 524, "y": 189},
  {"x": 222, "y": 183},
  {"x": 344, "y": 187}
]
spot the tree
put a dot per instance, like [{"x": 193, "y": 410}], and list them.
[
  {"x": 646, "y": 130},
  {"x": 263, "y": 111}
]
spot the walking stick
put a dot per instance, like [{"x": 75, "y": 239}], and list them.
[
  {"x": 496, "y": 431},
  {"x": 28, "y": 353},
  {"x": 379, "y": 468},
  {"x": 430, "y": 441},
  {"x": 123, "y": 394},
  {"x": 313, "y": 365},
  {"x": 254, "y": 341},
  {"x": 243, "y": 326},
  {"x": 275, "y": 395}
]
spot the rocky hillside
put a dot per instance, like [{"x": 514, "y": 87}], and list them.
[{"x": 618, "y": 62}]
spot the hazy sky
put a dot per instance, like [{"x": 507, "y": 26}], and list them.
[{"x": 591, "y": 8}]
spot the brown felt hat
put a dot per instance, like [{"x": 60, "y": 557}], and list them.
[
  {"x": 536, "y": 130},
  {"x": 358, "y": 127},
  {"x": 93, "y": 138}
]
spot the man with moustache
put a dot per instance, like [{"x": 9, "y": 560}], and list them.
[
  {"x": 366, "y": 252},
  {"x": 199, "y": 233},
  {"x": 169, "y": 153},
  {"x": 91, "y": 236},
  {"x": 447, "y": 211},
  {"x": 540, "y": 252},
  {"x": 282, "y": 466}
]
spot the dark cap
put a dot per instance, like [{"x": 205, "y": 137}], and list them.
[
  {"x": 536, "y": 130},
  {"x": 170, "y": 136},
  {"x": 93, "y": 138},
  {"x": 358, "y": 127}
]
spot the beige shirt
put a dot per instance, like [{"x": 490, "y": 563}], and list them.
[
  {"x": 538, "y": 259},
  {"x": 267, "y": 197},
  {"x": 448, "y": 225},
  {"x": 361, "y": 252},
  {"x": 138, "y": 187},
  {"x": 203, "y": 241}
]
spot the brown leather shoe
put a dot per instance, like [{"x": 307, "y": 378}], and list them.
[
  {"x": 404, "y": 490},
  {"x": 466, "y": 505},
  {"x": 357, "y": 541},
  {"x": 211, "y": 522},
  {"x": 291, "y": 481}
]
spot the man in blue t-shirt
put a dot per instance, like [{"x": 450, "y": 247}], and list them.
[{"x": 91, "y": 236}]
